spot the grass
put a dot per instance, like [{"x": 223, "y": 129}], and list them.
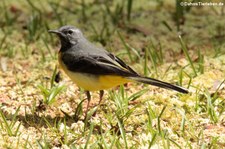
[
  {"x": 37, "y": 111},
  {"x": 129, "y": 9},
  {"x": 184, "y": 48},
  {"x": 127, "y": 47},
  {"x": 49, "y": 94},
  {"x": 9, "y": 126}
]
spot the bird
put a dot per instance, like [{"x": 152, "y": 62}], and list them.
[{"x": 95, "y": 69}]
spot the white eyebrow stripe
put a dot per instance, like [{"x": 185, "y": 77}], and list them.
[{"x": 76, "y": 30}]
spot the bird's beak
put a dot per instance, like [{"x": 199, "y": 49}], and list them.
[
  {"x": 54, "y": 31},
  {"x": 57, "y": 32}
]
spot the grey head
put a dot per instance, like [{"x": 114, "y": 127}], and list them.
[{"x": 68, "y": 35}]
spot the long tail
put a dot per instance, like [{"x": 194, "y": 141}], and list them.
[{"x": 158, "y": 83}]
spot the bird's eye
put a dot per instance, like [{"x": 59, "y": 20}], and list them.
[{"x": 70, "y": 32}]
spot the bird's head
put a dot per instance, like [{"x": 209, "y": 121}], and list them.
[{"x": 68, "y": 35}]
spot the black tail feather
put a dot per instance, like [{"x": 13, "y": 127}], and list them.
[{"x": 158, "y": 83}]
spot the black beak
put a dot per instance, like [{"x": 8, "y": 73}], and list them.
[
  {"x": 57, "y": 32},
  {"x": 54, "y": 31}
]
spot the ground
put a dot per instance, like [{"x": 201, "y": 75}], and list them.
[{"x": 161, "y": 39}]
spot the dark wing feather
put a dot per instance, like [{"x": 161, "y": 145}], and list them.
[
  {"x": 97, "y": 65},
  {"x": 118, "y": 60}
]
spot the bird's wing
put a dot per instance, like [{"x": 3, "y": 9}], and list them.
[
  {"x": 121, "y": 64},
  {"x": 97, "y": 64}
]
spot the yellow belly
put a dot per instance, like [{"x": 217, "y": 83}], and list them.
[{"x": 93, "y": 82}]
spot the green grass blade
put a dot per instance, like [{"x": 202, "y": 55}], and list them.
[
  {"x": 33, "y": 6},
  {"x": 182, "y": 125},
  {"x": 126, "y": 46},
  {"x": 201, "y": 62},
  {"x": 167, "y": 25},
  {"x": 122, "y": 131},
  {"x": 217, "y": 90},
  {"x": 89, "y": 135},
  {"x": 210, "y": 107},
  {"x": 14, "y": 117},
  {"x": 46, "y": 45},
  {"x": 3, "y": 40},
  {"x": 151, "y": 116},
  {"x": 55, "y": 91},
  {"x": 137, "y": 95},
  {"x": 78, "y": 110},
  {"x": 7, "y": 126},
  {"x": 152, "y": 141},
  {"x": 45, "y": 92},
  {"x": 158, "y": 120},
  {"x": 146, "y": 63},
  {"x": 17, "y": 129},
  {"x": 185, "y": 50},
  {"x": 175, "y": 143},
  {"x": 153, "y": 60},
  {"x": 129, "y": 8}
]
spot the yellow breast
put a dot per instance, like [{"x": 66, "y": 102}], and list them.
[{"x": 92, "y": 82}]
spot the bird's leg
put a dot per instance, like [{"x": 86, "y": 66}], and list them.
[
  {"x": 100, "y": 99},
  {"x": 88, "y": 104},
  {"x": 100, "y": 96}
]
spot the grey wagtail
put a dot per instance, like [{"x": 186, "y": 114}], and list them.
[{"x": 95, "y": 69}]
